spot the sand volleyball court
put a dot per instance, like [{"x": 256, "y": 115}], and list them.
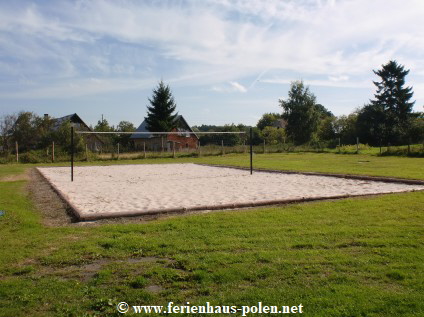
[{"x": 128, "y": 190}]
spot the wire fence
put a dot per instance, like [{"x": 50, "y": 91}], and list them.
[{"x": 88, "y": 150}]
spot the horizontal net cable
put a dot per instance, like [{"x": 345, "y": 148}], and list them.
[{"x": 182, "y": 132}]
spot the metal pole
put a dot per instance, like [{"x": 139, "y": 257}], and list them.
[
  {"x": 144, "y": 149},
  {"x": 118, "y": 151},
  {"x": 251, "y": 151},
  {"x": 17, "y": 151},
  {"x": 53, "y": 151},
  {"x": 72, "y": 154}
]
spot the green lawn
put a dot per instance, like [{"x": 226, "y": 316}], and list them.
[
  {"x": 353, "y": 257},
  {"x": 362, "y": 164},
  {"x": 359, "y": 164}
]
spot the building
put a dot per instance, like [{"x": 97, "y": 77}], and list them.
[
  {"x": 279, "y": 124},
  {"x": 185, "y": 139},
  {"x": 93, "y": 141}
]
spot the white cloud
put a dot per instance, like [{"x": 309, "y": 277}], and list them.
[
  {"x": 78, "y": 87},
  {"x": 231, "y": 86},
  {"x": 238, "y": 87},
  {"x": 338, "y": 78},
  {"x": 210, "y": 42}
]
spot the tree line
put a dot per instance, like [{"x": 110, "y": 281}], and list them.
[
  {"x": 388, "y": 119},
  {"x": 32, "y": 132}
]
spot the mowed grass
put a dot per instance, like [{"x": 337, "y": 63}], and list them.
[
  {"x": 355, "y": 164},
  {"x": 353, "y": 257}
]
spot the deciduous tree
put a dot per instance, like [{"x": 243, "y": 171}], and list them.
[
  {"x": 124, "y": 126},
  {"x": 300, "y": 112},
  {"x": 267, "y": 120},
  {"x": 7, "y": 123}
]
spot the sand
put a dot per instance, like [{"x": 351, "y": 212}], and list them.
[{"x": 122, "y": 190}]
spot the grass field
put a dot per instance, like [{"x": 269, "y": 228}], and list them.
[{"x": 353, "y": 257}]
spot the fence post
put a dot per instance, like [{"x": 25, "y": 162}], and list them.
[
  {"x": 144, "y": 149},
  {"x": 264, "y": 146},
  {"x": 200, "y": 151},
  {"x": 118, "y": 152},
  {"x": 173, "y": 149},
  {"x": 357, "y": 145},
  {"x": 17, "y": 151},
  {"x": 86, "y": 152},
  {"x": 53, "y": 151},
  {"x": 222, "y": 147}
]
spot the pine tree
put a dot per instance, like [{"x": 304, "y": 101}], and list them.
[
  {"x": 160, "y": 115},
  {"x": 393, "y": 99}
]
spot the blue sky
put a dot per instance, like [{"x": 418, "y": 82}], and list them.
[{"x": 226, "y": 61}]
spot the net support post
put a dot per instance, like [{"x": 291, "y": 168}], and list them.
[
  {"x": 251, "y": 151},
  {"x": 72, "y": 154}
]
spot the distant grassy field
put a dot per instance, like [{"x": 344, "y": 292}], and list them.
[
  {"x": 359, "y": 164},
  {"x": 353, "y": 257}
]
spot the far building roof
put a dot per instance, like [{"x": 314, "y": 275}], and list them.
[
  {"x": 78, "y": 123},
  {"x": 182, "y": 126},
  {"x": 279, "y": 123},
  {"x": 75, "y": 121}
]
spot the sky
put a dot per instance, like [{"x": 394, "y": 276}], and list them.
[{"x": 226, "y": 61}]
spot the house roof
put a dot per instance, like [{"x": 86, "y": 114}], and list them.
[
  {"x": 279, "y": 123},
  {"x": 74, "y": 118},
  {"x": 182, "y": 127}
]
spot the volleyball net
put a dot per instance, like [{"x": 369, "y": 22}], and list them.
[{"x": 116, "y": 145}]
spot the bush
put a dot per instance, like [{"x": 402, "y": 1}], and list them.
[
  {"x": 29, "y": 157},
  {"x": 414, "y": 151},
  {"x": 352, "y": 148}
]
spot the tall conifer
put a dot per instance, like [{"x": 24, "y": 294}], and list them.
[{"x": 160, "y": 113}]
